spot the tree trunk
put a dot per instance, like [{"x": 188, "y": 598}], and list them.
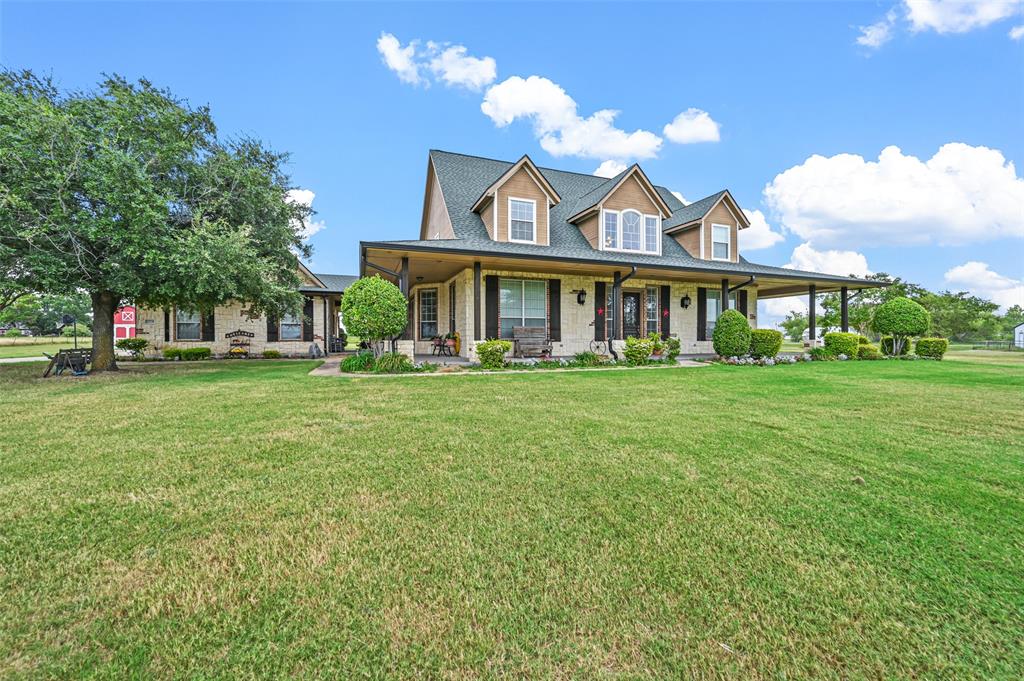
[{"x": 104, "y": 303}]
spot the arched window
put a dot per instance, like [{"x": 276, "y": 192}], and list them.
[{"x": 631, "y": 236}]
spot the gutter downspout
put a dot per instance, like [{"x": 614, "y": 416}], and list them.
[
  {"x": 617, "y": 311},
  {"x": 745, "y": 284}
]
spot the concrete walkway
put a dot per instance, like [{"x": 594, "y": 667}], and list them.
[
  {"x": 15, "y": 360},
  {"x": 330, "y": 367}
]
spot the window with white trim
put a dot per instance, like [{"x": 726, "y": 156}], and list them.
[
  {"x": 291, "y": 327},
  {"x": 652, "y": 310},
  {"x": 720, "y": 242},
  {"x": 188, "y": 325},
  {"x": 630, "y": 230},
  {"x": 523, "y": 302},
  {"x": 522, "y": 220},
  {"x": 428, "y": 313}
]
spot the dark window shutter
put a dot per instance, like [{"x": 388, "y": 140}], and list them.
[
  {"x": 208, "y": 327},
  {"x": 666, "y": 306},
  {"x": 555, "y": 309},
  {"x": 702, "y": 314},
  {"x": 491, "y": 298},
  {"x": 167, "y": 325},
  {"x": 307, "y": 321},
  {"x": 271, "y": 329},
  {"x": 742, "y": 303},
  {"x": 600, "y": 301}
]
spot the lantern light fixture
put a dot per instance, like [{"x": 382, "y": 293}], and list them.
[
  {"x": 581, "y": 296},
  {"x": 684, "y": 302}
]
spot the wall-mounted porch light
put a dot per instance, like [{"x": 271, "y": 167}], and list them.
[
  {"x": 581, "y": 296},
  {"x": 684, "y": 302}
]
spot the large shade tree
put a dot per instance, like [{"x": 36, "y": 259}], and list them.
[{"x": 127, "y": 192}]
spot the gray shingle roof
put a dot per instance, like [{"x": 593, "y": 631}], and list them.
[
  {"x": 464, "y": 178},
  {"x": 692, "y": 211},
  {"x": 334, "y": 283}
]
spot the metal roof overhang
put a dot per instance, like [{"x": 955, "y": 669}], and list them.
[{"x": 430, "y": 264}]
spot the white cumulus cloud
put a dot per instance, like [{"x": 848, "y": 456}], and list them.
[
  {"x": 610, "y": 168},
  {"x": 759, "y": 234},
  {"x": 1017, "y": 32},
  {"x": 878, "y": 33},
  {"x": 961, "y": 194},
  {"x": 455, "y": 67},
  {"x": 690, "y": 126},
  {"x": 305, "y": 197},
  {"x": 558, "y": 125},
  {"x": 842, "y": 263},
  {"x": 679, "y": 195},
  {"x": 957, "y": 16},
  {"x": 450, "y": 64},
  {"x": 976, "y": 278}
]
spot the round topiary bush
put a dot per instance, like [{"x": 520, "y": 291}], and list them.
[
  {"x": 732, "y": 334},
  {"x": 374, "y": 309},
  {"x": 765, "y": 342},
  {"x": 868, "y": 352},
  {"x": 492, "y": 353},
  {"x": 933, "y": 348},
  {"x": 839, "y": 343},
  {"x": 900, "y": 318}
]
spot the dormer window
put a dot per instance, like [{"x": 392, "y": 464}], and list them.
[
  {"x": 630, "y": 230},
  {"x": 522, "y": 220},
  {"x": 720, "y": 242}
]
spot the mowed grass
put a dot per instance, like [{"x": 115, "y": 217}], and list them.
[
  {"x": 220, "y": 519},
  {"x": 36, "y": 346}
]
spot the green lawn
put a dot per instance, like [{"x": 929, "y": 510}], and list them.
[
  {"x": 844, "y": 519},
  {"x": 35, "y": 347}
]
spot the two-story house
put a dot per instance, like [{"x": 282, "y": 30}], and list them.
[{"x": 507, "y": 244}]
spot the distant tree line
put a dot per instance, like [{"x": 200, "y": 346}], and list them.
[
  {"x": 955, "y": 315},
  {"x": 43, "y": 314}
]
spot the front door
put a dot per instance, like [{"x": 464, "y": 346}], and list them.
[{"x": 630, "y": 314}]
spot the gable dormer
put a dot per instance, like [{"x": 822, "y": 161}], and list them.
[
  {"x": 624, "y": 214},
  {"x": 516, "y": 207},
  {"x": 709, "y": 228}
]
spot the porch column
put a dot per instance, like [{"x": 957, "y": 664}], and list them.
[
  {"x": 476, "y": 301},
  {"x": 810, "y": 311},
  {"x": 616, "y": 306},
  {"x": 327, "y": 331},
  {"x": 403, "y": 285},
  {"x": 725, "y": 295},
  {"x": 843, "y": 308}
]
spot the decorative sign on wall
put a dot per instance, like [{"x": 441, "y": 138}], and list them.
[
  {"x": 240, "y": 334},
  {"x": 239, "y": 342}
]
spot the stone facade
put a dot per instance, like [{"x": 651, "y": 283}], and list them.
[
  {"x": 229, "y": 318},
  {"x": 577, "y": 320}
]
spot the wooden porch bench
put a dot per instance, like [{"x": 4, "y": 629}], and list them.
[{"x": 531, "y": 341}]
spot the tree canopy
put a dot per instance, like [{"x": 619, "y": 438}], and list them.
[{"x": 127, "y": 192}]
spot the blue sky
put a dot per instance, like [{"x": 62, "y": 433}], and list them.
[{"x": 777, "y": 84}]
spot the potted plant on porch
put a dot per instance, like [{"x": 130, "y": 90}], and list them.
[{"x": 657, "y": 346}]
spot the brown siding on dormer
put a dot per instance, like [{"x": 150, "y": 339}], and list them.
[
  {"x": 589, "y": 228},
  {"x": 720, "y": 215},
  {"x": 439, "y": 225},
  {"x": 487, "y": 215},
  {"x": 690, "y": 240},
  {"x": 521, "y": 186},
  {"x": 631, "y": 195}
]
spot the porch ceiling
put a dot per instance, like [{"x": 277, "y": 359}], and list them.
[{"x": 435, "y": 267}]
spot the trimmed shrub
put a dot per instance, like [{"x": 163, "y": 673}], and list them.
[
  {"x": 358, "y": 363},
  {"x": 765, "y": 342},
  {"x": 194, "y": 354},
  {"x": 271, "y": 354},
  {"x": 374, "y": 309},
  {"x": 868, "y": 352},
  {"x": 136, "y": 346},
  {"x": 863, "y": 340},
  {"x": 12, "y": 333},
  {"x": 933, "y": 348},
  {"x": 587, "y": 359},
  {"x": 172, "y": 353},
  {"x": 657, "y": 345},
  {"x": 821, "y": 355},
  {"x": 900, "y": 318},
  {"x": 732, "y": 334},
  {"x": 886, "y": 344},
  {"x": 672, "y": 348},
  {"x": 839, "y": 343},
  {"x": 393, "y": 363},
  {"x": 637, "y": 350},
  {"x": 492, "y": 353}
]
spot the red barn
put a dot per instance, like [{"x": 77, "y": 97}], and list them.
[{"x": 124, "y": 322}]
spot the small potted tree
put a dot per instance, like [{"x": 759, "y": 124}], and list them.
[{"x": 375, "y": 310}]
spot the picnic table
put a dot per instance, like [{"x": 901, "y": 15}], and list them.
[{"x": 74, "y": 359}]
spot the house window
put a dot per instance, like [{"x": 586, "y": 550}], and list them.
[
  {"x": 428, "y": 313},
  {"x": 652, "y": 308},
  {"x": 609, "y": 315},
  {"x": 651, "y": 234},
  {"x": 291, "y": 327},
  {"x": 188, "y": 325},
  {"x": 631, "y": 231},
  {"x": 611, "y": 229},
  {"x": 522, "y": 220},
  {"x": 523, "y": 303},
  {"x": 720, "y": 242}
]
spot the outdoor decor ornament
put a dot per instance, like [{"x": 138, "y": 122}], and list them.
[{"x": 684, "y": 302}]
